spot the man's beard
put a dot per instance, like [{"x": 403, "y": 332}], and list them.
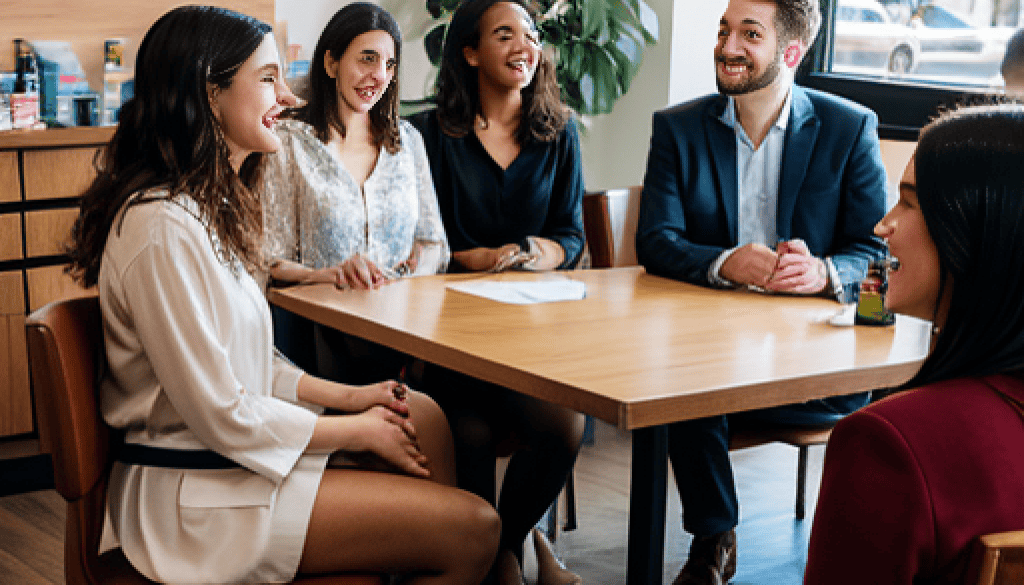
[{"x": 760, "y": 82}]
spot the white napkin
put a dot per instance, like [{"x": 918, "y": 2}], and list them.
[{"x": 522, "y": 292}]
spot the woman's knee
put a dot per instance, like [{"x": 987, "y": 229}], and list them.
[
  {"x": 476, "y": 527},
  {"x": 426, "y": 414},
  {"x": 560, "y": 429}
]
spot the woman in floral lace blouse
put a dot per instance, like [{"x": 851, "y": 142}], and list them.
[{"x": 350, "y": 198}]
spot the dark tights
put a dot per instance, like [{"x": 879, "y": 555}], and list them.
[{"x": 489, "y": 421}]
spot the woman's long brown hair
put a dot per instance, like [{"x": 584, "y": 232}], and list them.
[{"x": 168, "y": 138}]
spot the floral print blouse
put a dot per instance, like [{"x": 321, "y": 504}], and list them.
[{"x": 316, "y": 214}]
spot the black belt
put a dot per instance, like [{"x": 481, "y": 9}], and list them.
[{"x": 135, "y": 454}]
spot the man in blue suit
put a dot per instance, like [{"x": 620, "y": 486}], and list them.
[{"x": 765, "y": 185}]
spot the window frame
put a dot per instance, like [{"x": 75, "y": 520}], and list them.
[{"x": 903, "y": 108}]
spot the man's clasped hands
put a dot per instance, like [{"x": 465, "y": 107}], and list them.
[{"x": 790, "y": 268}]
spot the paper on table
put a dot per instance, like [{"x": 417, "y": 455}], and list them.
[{"x": 523, "y": 292}]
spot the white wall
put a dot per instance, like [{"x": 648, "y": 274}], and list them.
[{"x": 678, "y": 68}]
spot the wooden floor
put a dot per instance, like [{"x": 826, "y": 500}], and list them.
[{"x": 772, "y": 543}]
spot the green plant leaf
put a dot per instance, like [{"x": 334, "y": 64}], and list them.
[
  {"x": 598, "y": 45},
  {"x": 594, "y": 17}
]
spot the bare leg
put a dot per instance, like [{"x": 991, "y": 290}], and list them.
[
  {"x": 435, "y": 437},
  {"x": 366, "y": 521},
  {"x": 369, "y": 521}
]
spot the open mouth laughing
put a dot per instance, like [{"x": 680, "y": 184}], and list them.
[{"x": 368, "y": 93}]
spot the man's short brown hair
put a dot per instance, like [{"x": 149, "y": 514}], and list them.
[{"x": 797, "y": 20}]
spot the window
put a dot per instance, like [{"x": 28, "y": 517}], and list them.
[{"x": 906, "y": 58}]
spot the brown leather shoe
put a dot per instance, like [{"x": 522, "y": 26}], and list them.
[{"x": 712, "y": 560}]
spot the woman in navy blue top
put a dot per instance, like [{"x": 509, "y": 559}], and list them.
[
  {"x": 505, "y": 160},
  {"x": 484, "y": 205}
]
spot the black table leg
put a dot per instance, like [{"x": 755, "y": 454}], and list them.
[{"x": 647, "y": 493}]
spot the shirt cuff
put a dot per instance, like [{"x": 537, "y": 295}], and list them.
[
  {"x": 713, "y": 271},
  {"x": 834, "y": 286}
]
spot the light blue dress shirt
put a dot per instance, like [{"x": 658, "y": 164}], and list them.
[{"x": 757, "y": 181}]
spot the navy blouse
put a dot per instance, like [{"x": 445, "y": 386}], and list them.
[{"x": 482, "y": 205}]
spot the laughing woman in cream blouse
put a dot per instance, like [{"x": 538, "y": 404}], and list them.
[
  {"x": 224, "y": 475},
  {"x": 350, "y": 197}
]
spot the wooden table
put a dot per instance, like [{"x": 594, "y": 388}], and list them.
[{"x": 638, "y": 352}]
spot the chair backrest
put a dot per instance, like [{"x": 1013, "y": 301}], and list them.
[
  {"x": 998, "y": 559},
  {"x": 66, "y": 357},
  {"x": 65, "y": 341},
  {"x": 609, "y": 219}
]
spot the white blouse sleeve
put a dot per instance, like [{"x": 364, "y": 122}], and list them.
[
  {"x": 429, "y": 228},
  {"x": 182, "y": 307}
]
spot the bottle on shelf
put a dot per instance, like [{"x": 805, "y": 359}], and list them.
[{"x": 25, "y": 98}]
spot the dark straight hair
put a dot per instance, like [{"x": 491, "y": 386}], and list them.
[
  {"x": 969, "y": 169},
  {"x": 544, "y": 114},
  {"x": 320, "y": 91},
  {"x": 168, "y": 137}
]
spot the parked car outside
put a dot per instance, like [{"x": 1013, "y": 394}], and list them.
[
  {"x": 868, "y": 41},
  {"x": 952, "y": 46}
]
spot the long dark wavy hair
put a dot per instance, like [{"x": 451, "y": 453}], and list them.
[
  {"x": 320, "y": 92},
  {"x": 168, "y": 137},
  {"x": 544, "y": 115},
  {"x": 970, "y": 186}
]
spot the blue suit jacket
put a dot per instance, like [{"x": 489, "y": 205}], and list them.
[{"x": 832, "y": 187}]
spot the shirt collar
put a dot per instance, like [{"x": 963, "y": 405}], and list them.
[{"x": 729, "y": 118}]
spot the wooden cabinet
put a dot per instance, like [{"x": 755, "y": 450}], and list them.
[
  {"x": 76, "y": 172},
  {"x": 47, "y": 231},
  {"x": 41, "y": 176},
  {"x": 10, "y": 237},
  {"x": 15, "y": 397},
  {"x": 10, "y": 189}
]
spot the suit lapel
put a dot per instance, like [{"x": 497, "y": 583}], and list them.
[
  {"x": 801, "y": 136},
  {"x": 722, "y": 147}
]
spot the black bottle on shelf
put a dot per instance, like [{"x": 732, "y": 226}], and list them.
[{"x": 27, "y": 73}]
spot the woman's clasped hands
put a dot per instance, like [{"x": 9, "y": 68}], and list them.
[
  {"x": 373, "y": 419},
  {"x": 500, "y": 259}
]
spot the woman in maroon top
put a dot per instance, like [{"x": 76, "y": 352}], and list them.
[{"x": 911, "y": 481}]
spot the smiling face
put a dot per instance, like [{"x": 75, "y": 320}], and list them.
[
  {"x": 364, "y": 71},
  {"x": 250, "y": 105},
  {"x": 748, "y": 55},
  {"x": 509, "y": 48},
  {"x": 914, "y": 288}
]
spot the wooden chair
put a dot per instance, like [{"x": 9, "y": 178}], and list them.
[
  {"x": 66, "y": 357},
  {"x": 610, "y": 221},
  {"x": 998, "y": 559}
]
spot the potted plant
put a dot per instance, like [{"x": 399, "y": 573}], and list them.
[{"x": 597, "y": 45}]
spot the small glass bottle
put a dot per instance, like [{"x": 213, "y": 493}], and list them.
[
  {"x": 25, "y": 99},
  {"x": 871, "y": 300}
]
